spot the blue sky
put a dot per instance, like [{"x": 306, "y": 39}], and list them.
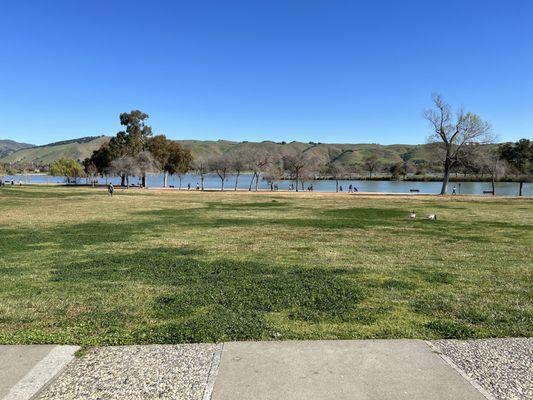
[{"x": 329, "y": 71}]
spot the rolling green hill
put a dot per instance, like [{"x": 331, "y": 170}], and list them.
[
  {"x": 78, "y": 149},
  {"x": 9, "y": 146},
  {"x": 346, "y": 153}
]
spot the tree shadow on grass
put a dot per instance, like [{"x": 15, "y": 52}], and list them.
[
  {"x": 351, "y": 218},
  {"x": 224, "y": 299},
  {"x": 36, "y": 193},
  {"x": 68, "y": 237},
  {"x": 153, "y": 221}
]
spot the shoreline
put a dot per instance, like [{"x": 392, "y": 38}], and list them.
[{"x": 281, "y": 192}]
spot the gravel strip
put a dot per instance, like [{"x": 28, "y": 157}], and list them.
[
  {"x": 136, "y": 372},
  {"x": 503, "y": 367}
]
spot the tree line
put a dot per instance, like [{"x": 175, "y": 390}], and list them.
[{"x": 461, "y": 142}]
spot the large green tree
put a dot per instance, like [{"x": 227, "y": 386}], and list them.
[
  {"x": 101, "y": 159},
  {"x": 138, "y": 134},
  {"x": 519, "y": 155},
  {"x": 68, "y": 168},
  {"x": 131, "y": 141},
  {"x": 172, "y": 158},
  {"x": 91, "y": 171}
]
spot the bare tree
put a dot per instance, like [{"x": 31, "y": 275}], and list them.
[
  {"x": 488, "y": 160},
  {"x": 201, "y": 166},
  {"x": 371, "y": 164},
  {"x": 258, "y": 161},
  {"x": 309, "y": 172},
  {"x": 454, "y": 134},
  {"x": 300, "y": 166},
  {"x": 124, "y": 166},
  {"x": 146, "y": 163},
  {"x": 274, "y": 172},
  {"x": 220, "y": 165},
  {"x": 335, "y": 170},
  {"x": 237, "y": 165}
]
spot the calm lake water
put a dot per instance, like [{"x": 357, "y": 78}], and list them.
[{"x": 212, "y": 181}]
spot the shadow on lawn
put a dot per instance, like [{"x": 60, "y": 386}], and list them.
[
  {"x": 208, "y": 301},
  {"x": 155, "y": 222}
]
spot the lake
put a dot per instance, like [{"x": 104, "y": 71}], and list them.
[{"x": 212, "y": 181}]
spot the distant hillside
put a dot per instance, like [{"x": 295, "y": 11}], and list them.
[
  {"x": 78, "y": 149},
  {"x": 9, "y": 146},
  {"x": 346, "y": 153}
]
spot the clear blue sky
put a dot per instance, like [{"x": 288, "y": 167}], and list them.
[{"x": 329, "y": 71}]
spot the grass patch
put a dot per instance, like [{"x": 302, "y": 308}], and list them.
[{"x": 169, "y": 267}]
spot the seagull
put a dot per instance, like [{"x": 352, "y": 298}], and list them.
[
  {"x": 432, "y": 216},
  {"x": 412, "y": 215}
]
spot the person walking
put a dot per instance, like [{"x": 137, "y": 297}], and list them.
[
  {"x": 350, "y": 188},
  {"x": 189, "y": 186},
  {"x": 110, "y": 190}
]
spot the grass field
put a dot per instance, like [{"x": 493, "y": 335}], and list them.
[{"x": 167, "y": 267}]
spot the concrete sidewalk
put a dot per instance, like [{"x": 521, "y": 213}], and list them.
[
  {"x": 355, "y": 370},
  {"x": 292, "y": 370},
  {"x": 25, "y": 370}
]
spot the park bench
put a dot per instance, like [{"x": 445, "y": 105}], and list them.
[
  {"x": 488, "y": 192},
  {"x": 414, "y": 190}
]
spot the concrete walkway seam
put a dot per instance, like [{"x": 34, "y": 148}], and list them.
[
  {"x": 213, "y": 371},
  {"x": 42, "y": 373},
  {"x": 448, "y": 361}
]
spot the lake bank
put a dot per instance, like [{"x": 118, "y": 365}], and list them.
[{"x": 212, "y": 181}]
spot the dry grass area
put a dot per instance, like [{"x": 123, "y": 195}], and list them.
[{"x": 165, "y": 267}]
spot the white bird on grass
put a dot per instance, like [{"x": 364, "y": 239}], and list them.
[
  {"x": 432, "y": 216},
  {"x": 412, "y": 215}
]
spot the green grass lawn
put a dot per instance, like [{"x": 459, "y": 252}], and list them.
[{"x": 167, "y": 267}]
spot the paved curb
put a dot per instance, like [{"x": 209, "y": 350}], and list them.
[
  {"x": 213, "y": 371},
  {"x": 448, "y": 361},
  {"x": 42, "y": 373}
]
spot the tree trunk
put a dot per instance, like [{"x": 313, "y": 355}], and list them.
[
  {"x": 179, "y": 180},
  {"x": 202, "y": 179},
  {"x": 221, "y": 184},
  {"x": 251, "y": 183},
  {"x": 122, "y": 180},
  {"x": 256, "y": 181},
  {"x": 493, "y": 189},
  {"x": 143, "y": 180},
  {"x": 165, "y": 179},
  {"x": 128, "y": 182},
  {"x": 237, "y": 179},
  {"x": 446, "y": 177},
  {"x": 520, "y": 188},
  {"x": 297, "y": 181},
  {"x": 336, "y": 185}
]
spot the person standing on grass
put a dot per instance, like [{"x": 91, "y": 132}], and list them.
[
  {"x": 453, "y": 190},
  {"x": 189, "y": 186},
  {"x": 110, "y": 190},
  {"x": 350, "y": 188}
]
